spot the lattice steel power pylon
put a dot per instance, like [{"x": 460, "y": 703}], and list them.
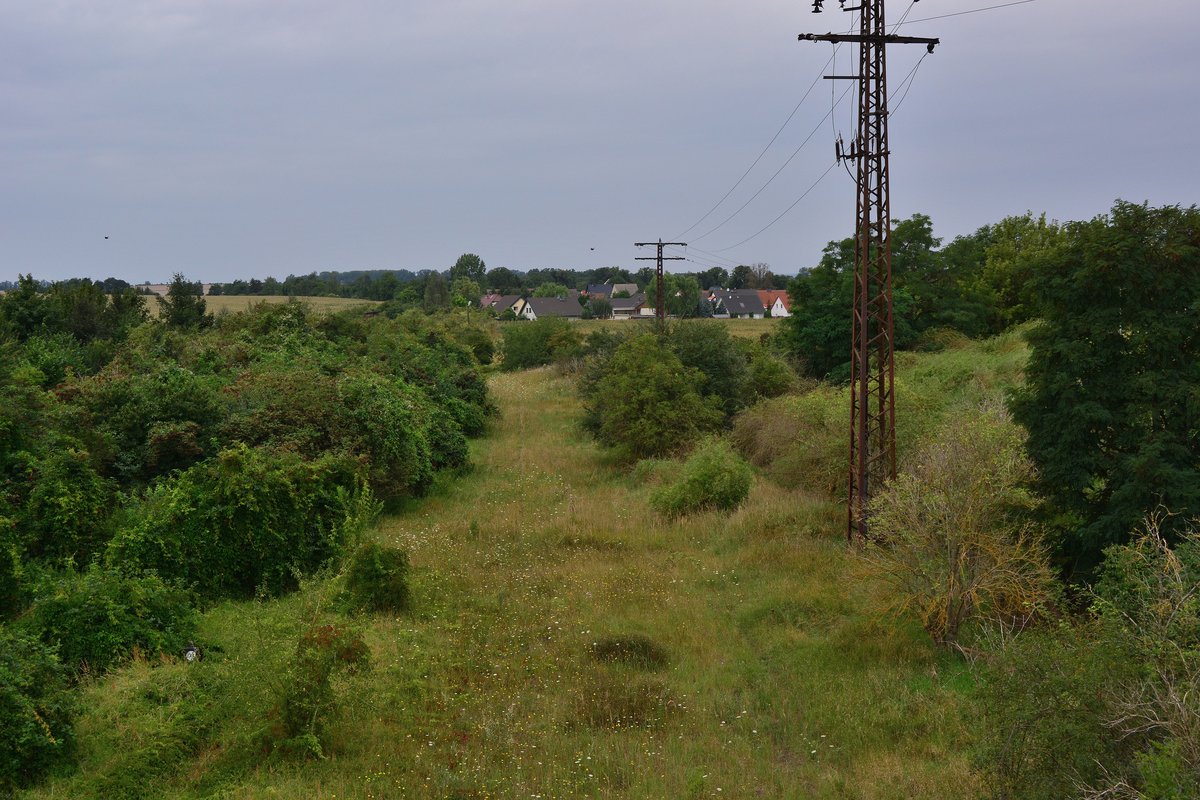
[{"x": 873, "y": 396}]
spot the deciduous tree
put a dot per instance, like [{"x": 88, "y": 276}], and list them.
[{"x": 1112, "y": 400}]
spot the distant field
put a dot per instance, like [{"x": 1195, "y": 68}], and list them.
[
  {"x": 747, "y": 328},
  {"x": 235, "y": 303}
]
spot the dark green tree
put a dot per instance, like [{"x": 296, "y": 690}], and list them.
[
  {"x": 184, "y": 305},
  {"x": 25, "y": 310},
  {"x": 742, "y": 277},
  {"x": 600, "y": 307},
  {"x": 1112, "y": 401},
  {"x": 681, "y": 295},
  {"x": 1015, "y": 246},
  {"x": 714, "y": 276},
  {"x": 553, "y": 290},
  {"x": 437, "y": 293},
  {"x": 502, "y": 280},
  {"x": 468, "y": 266}
]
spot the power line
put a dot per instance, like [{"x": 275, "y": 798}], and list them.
[
  {"x": 972, "y": 11},
  {"x": 906, "y": 84},
  {"x": 709, "y": 259},
  {"x": 762, "y": 188},
  {"x": 712, "y": 255},
  {"x": 760, "y": 155},
  {"x": 904, "y": 16},
  {"x": 762, "y": 230}
]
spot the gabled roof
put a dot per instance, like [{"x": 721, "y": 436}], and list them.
[
  {"x": 555, "y": 306},
  {"x": 769, "y": 296},
  {"x": 599, "y": 289},
  {"x": 500, "y": 302},
  {"x": 632, "y": 288},
  {"x": 628, "y": 303},
  {"x": 742, "y": 301}
]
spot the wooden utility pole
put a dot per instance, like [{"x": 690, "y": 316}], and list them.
[
  {"x": 660, "y": 311},
  {"x": 872, "y": 391}
]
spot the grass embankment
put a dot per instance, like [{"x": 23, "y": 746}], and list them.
[{"x": 778, "y": 681}]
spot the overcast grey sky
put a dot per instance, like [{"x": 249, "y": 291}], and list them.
[{"x": 243, "y": 138}]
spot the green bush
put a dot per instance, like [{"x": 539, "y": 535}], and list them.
[
  {"x": 55, "y": 355},
  {"x": 142, "y": 413},
  {"x": 713, "y": 478},
  {"x": 390, "y": 420},
  {"x": 769, "y": 374},
  {"x": 1107, "y": 704},
  {"x": 306, "y": 697},
  {"x": 36, "y": 711},
  {"x": 98, "y": 618},
  {"x": 377, "y": 578},
  {"x": 648, "y": 404},
  {"x": 723, "y": 361},
  {"x": 543, "y": 341},
  {"x": 248, "y": 520},
  {"x": 10, "y": 572},
  {"x": 1044, "y": 730},
  {"x": 67, "y": 514}
]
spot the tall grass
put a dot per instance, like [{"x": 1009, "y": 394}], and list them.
[
  {"x": 802, "y": 441},
  {"x": 776, "y": 682}
]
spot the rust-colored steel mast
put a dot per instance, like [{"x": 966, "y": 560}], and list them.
[
  {"x": 872, "y": 395},
  {"x": 660, "y": 305}
]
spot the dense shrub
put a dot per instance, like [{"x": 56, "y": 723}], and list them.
[
  {"x": 142, "y": 416},
  {"x": 769, "y": 374},
  {"x": 950, "y": 537},
  {"x": 286, "y": 406},
  {"x": 55, "y": 356},
  {"x": 723, "y": 360},
  {"x": 10, "y": 571},
  {"x": 648, "y": 404},
  {"x": 35, "y": 711},
  {"x": 247, "y": 520},
  {"x": 98, "y": 618},
  {"x": 1105, "y": 708},
  {"x": 306, "y": 697},
  {"x": 798, "y": 440},
  {"x": 68, "y": 511},
  {"x": 390, "y": 420},
  {"x": 377, "y": 578},
  {"x": 543, "y": 341},
  {"x": 714, "y": 478},
  {"x": 1045, "y": 715}
]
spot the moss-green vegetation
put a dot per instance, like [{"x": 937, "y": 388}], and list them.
[
  {"x": 563, "y": 641},
  {"x": 192, "y": 459}
]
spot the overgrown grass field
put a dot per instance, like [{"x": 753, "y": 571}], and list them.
[
  {"x": 566, "y": 642},
  {"x": 232, "y": 304}
]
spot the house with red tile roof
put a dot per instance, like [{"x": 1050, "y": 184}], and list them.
[{"x": 776, "y": 302}]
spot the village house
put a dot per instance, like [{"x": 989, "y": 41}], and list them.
[
  {"x": 736, "y": 304},
  {"x": 501, "y": 303},
  {"x": 567, "y": 307},
  {"x": 630, "y": 307},
  {"x": 776, "y": 301}
]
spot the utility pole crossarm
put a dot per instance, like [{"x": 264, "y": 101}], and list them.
[{"x": 858, "y": 38}]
